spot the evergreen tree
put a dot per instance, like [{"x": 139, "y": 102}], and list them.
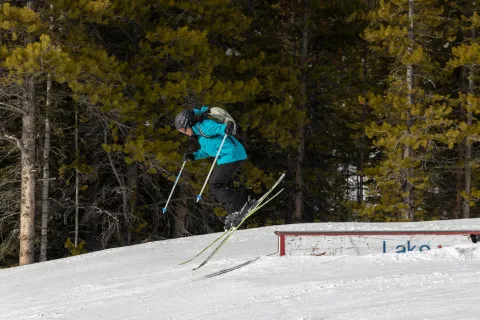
[
  {"x": 31, "y": 58},
  {"x": 465, "y": 56},
  {"x": 410, "y": 113}
]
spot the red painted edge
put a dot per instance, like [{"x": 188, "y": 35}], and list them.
[
  {"x": 281, "y": 240},
  {"x": 282, "y": 234}
]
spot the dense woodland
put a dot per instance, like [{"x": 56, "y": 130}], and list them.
[{"x": 370, "y": 107}]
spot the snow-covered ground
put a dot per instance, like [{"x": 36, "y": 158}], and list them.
[{"x": 146, "y": 281}]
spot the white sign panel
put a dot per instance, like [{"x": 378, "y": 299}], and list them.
[{"x": 359, "y": 244}]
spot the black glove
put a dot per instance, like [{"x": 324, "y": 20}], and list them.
[
  {"x": 188, "y": 157},
  {"x": 229, "y": 128}
]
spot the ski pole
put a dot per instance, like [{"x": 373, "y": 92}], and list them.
[
  {"x": 199, "y": 197},
  {"x": 173, "y": 188}
]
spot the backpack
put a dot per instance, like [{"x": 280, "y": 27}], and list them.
[{"x": 218, "y": 115}]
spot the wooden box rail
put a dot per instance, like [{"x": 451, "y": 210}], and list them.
[{"x": 415, "y": 240}]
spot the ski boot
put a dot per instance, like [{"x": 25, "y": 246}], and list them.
[{"x": 234, "y": 219}]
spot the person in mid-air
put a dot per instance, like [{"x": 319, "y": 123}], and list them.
[{"x": 209, "y": 133}]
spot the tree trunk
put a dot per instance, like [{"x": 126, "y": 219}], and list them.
[
  {"x": 180, "y": 218},
  {"x": 468, "y": 150},
  {"x": 27, "y": 206},
  {"x": 361, "y": 161},
  {"x": 77, "y": 178},
  {"x": 46, "y": 175},
  {"x": 301, "y": 129},
  {"x": 409, "y": 213},
  {"x": 27, "y": 193},
  {"x": 468, "y": 142},
  {"x": 132, "y": 181},
  {"x": 459, "y": 175},
  {"x": 46, "y": 168},
  {"x": 123, "y": 190}
]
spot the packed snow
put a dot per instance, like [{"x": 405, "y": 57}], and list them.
[{"x": 247, "y": 279}]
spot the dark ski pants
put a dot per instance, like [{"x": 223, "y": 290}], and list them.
[{"x": 230, "y": 200}]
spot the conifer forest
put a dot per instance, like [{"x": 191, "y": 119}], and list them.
[{"x": 370, "y": 107}]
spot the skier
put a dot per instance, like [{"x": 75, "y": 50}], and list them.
[{"x": 209, "y": 133}]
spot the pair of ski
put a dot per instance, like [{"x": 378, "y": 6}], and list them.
[{"x": 228, "y": 234}]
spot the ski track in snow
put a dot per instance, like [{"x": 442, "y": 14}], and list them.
[{"x": 146, "y": 281}]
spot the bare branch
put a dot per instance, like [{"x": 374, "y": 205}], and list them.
[
  {"x": 10, "y": 107},
  {"x": 12, "y": 139}
]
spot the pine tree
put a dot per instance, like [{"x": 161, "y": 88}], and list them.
[
  {"x": 20, "y": 98},
  {"x": 34, "y": 54},
  {"x": 410, "y": 112},
  {"x": 466, "y": 56}
]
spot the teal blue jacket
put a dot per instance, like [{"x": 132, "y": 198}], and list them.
[{"x": 232, "y": 149}]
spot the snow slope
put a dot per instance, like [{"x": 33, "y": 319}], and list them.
[{"x": 146, "y": 281}]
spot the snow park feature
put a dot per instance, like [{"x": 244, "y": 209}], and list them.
[
  {"x": 247, "y": 279},
  {"x": 359, "y": 242}
]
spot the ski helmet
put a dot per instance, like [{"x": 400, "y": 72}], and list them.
[{"x": 184, "y": 119}]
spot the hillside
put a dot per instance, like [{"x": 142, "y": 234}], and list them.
[{"x": 146, "y": 281}]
